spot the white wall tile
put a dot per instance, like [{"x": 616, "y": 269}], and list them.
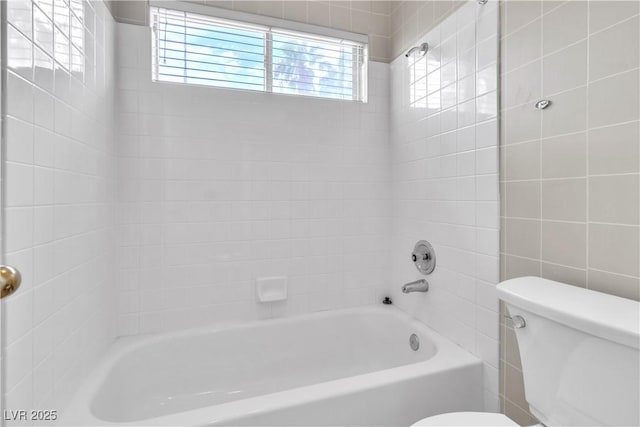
[
  {"x": 58, "y": 205},
  {"x": 444, "y": 187},
  {"x": 226, "y": 193}
]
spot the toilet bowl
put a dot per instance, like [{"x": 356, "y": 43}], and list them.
[
  {"x": 479, "y": 419},
  {"x": 580, "y": 352}
]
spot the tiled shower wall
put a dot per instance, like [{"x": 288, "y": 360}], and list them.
[
  {"x": 58, "y": 169},
  {"x": 444, "y": 146},
  {"x": 412, "y": 19},
  {"x": 218, "y": 187},
  {"x": 570, "y": 174}
]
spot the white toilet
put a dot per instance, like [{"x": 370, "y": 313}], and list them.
[{"x": 580, "y": 357}]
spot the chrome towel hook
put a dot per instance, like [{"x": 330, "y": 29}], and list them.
[{"x": 542, "y": 104}]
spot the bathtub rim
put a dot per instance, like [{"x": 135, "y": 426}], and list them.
[{"x": 448, "y": 356}]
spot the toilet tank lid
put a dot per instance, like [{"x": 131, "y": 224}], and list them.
[{"x": 606, "y": 316}]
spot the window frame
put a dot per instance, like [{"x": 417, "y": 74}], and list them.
[{"x": 271, "y": 26}]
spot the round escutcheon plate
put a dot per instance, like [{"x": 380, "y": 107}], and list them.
[{"x": 424, "y": 257}]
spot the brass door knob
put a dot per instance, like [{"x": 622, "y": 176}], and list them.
[{"x": 10, "y": 279}]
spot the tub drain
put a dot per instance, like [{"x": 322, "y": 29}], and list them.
[{"x": 414, "y": 342}]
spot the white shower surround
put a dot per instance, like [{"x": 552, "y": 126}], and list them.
[
  {"x": 445, "y": 184},
  {"x": 58, "y": 200},
  {"x": 219, "y": 187},
  {"x": 318, "y": 213},
  {"x": 306, "y": 193}
]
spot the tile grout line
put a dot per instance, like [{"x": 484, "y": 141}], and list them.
[
  {"x": 571, "y": 267},
  {"x": 541, "y": 131},
  {"x": 502, "y": 224},
  {"x": 586, "y": 148}
]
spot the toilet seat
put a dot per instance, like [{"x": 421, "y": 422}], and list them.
[{"x": 467, "y": 419}]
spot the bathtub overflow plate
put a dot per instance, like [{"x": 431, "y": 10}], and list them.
[{"x": 414, "y": 342}]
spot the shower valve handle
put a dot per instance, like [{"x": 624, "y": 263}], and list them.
[{"x": 425, "y": 257}]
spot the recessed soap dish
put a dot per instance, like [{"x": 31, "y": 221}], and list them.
[{"x": 269, "y": 289}]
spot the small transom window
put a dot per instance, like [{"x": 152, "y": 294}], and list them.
[{"x": 200, "y": 49}]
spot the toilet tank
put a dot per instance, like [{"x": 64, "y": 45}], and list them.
[{"x": 579, "y": 350}]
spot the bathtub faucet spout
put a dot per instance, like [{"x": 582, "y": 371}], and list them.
[{"x": 418, "y": 286}]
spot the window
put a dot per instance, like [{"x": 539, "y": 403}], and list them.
[{"x": 199, "y": 49}]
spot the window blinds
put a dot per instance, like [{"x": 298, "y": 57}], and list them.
[{"x": 199, "y": 49}]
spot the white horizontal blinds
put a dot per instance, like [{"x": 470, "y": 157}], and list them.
[
  {"x": 306, "y": 65},
  {"x": 192, "y": 48},
  {"x": 197, "y": 49}
]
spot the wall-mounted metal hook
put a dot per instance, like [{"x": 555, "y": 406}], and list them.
[{"x": 542, "y": 104}]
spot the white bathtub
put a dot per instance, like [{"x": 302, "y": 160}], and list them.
[{"x": 346, "y": 367}]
